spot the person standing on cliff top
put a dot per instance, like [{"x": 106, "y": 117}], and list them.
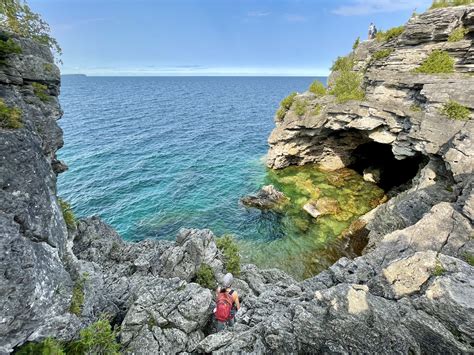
[{"x": 372, "y": 31}]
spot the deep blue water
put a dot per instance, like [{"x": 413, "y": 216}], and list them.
[{"x": 153, "y": 154}]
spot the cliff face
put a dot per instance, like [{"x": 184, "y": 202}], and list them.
[
  {"x": 411, "y": 292},
  {"x": 33, "y": 232}
]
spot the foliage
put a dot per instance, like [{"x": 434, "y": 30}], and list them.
[
  {"x": 415, "y": 108},
  {"x": 205, "y": 277},
  {"x": 317, "y": 88},
  {"x": 97, "y": 339},
  {"x": 77, "y": 299},
  {"x": 230, "y": 250},
  {"x": 437, "y": 62},
  {"x": 16, "y": 16},
  {"x": 356, "y": 44},
  {"x": 447, "y": 3},
  {"x": 348, "y": 87},
  {"x": 41, "y": 91},
  {"x": 317, "y": 109},
  {"x": 7, "y": 47},
  {"x": 300, "y": 107},
  {"x": 343, "y": 63},
  {"x": 49, "y": 346},
  {"x": 285, "y": 105},
  {"x": 10, "y": 117},
  {"x": 439, "y": 270},
  {"x": 455, "y": 111},
  {"x": 385, "y": 36},
  {"x": 68, "y": 214},
  {"x": 383, "y": 53},
  {"x": 469, "y": 258},
  {"x": 458, "y": 34}
]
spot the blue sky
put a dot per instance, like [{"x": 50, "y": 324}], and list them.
[{"x": 213, "y": 37}]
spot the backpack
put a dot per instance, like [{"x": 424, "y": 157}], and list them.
[{"x": 223, "y": 306}]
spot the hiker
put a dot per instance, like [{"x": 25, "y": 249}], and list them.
[
  {"x": 372, "y": 31},
  {"x": 227, "y": 303}
]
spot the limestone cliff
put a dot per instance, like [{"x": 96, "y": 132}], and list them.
[{"x": 411, "y": 292}]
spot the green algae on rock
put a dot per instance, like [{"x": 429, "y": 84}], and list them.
[{"x": 307, "y": 245}]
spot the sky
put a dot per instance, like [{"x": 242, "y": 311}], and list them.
[{"x": 213, "y": 37}]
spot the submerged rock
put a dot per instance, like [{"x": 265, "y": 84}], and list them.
[{"x": 268, "y": 197}]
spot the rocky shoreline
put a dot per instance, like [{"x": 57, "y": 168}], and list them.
[{"x": 412, "y": 290}]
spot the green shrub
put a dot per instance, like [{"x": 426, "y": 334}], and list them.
[
  {"x": 205, "y": 277},
  {"x": 385, "y": 36},
  {"x": 230, "y": 251},
  {"x": 317, "y": 88},
  {"x": 348, "y": 87},
  {"x": 98, "y": 338},
  {"x": 49, "y": 346},
  {"x": 437, "y": 62},
  {"x": 68, "y": 214},
  {"x": 8, "y": 47},
  {"x": 383, "y": 53},
  {"x": 10, "y": 117},
  {"x": 356, "y": 44},
  {"x": 41, "y": 91},
  {"x": 300, "y": 107},
  {"x": 77, "y": 299},
  {"x": 285, "y": 105},
  {"x": 343, "y": 63},
  {"x": 18, "y": 18},
  {"x": 455, "y": 111},
  {"x": 447, "y": 3},
  {"x": 458, "y": 34},
  {"x": 439, "y": 270}
]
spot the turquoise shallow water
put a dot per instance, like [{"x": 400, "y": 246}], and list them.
[{"x": 153, "y": 154}]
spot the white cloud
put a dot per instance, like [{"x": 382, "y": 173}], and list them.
[
  {"x": 295, "y": 18},
  {"x": 258, "y": 14},
  {"x": 367, "y": 7}
]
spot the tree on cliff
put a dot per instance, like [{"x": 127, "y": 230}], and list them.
[{"x": 17, "y": 17}]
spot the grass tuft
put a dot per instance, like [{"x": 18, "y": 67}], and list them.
[
  {"x": 385, "y": 36},
  {"x": 348, "y": 87},
  {"x": 437, "y": 62},
  {"x": 439, "y": 270},
  {"x": 230, "y": 250},
  {"x": 455, "y": 111},
  {"x": 469, "y": 258},
  {"x": 10, "y": 117},
  {"x": 68, "y": 214},
  {"x": 416, "y": 108},
  {"x": 383, "y": 53},
  {"x": 77, "y": 299},
  {"x": 317, "y": 110},
  {"x": 317, "y": 88},
  {"x": 458, "y": 34},
  {"x": 41, "y": 92}
]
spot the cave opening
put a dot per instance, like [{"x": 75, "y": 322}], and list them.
[{"x": 378, "y": 160}]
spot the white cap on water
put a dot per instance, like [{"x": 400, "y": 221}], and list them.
[{"x": 227, "y": 280}]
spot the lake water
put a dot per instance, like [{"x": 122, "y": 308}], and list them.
[{"x": 153, "y": 154}]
